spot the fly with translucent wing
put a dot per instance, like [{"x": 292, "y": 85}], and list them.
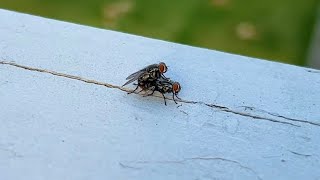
[
  {"x": 151, "y": 79},
  {"x": 147, "y": 75}
]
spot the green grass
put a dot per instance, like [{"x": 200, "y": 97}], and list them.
[{"x": 278, "y": 30}]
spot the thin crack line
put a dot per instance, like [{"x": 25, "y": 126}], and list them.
[
  {"x": 226, "y": 160},
  {"x": 226, "y": 109},
  {"x": 283, "y": 117},
  {"x": 292, "y": 119},
  {"x": 90, "y": 81},
  {"x": 127, "y": 167},
  {"x": 160, "y": 162},
  {"x": 192, "y": 159},
  {"x": 300, "y": 154}
]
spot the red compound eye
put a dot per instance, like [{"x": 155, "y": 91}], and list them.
[
  {"x": 162, "y": 67},
  {"x": 176, "y": 87}
]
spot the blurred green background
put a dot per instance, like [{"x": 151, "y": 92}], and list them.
[{"x": 279, "y": 30}]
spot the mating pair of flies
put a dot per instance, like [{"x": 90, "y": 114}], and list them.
[{"x": 151, "y": 79}]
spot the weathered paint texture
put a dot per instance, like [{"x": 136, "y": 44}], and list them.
[{"x": 64, "y": 114}]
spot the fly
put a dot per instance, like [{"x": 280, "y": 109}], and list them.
[
  {"x": 164, "y": 86},
  {"x": 147, "y": 75},
  {"x": 151, "y": 78}
]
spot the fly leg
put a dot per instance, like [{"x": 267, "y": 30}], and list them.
[
  {"x": 153, "y": 90},
  {"x": 173, "y": 98},
  {"x": 133, "y": 90},
  {"x": 165, "y": 77},
  {"x": 178, "y": 97},
  {"x": 140, "y": 91},
  {"x": 164, "y": 98}
]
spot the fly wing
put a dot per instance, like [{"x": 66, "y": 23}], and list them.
[
  {"x": 134, "y": 77},
  {"x": 138, "y": 73}
]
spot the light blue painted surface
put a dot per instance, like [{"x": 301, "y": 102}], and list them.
[{"x": 57, "y": 128}]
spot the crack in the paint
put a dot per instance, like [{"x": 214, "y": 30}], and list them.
[
  {"x": 283, "y": 117},
  {"x": 195, "y": 159},
  {"x": 296, "y": 120},
  {"x": 90, "y": 81},
  {"x": 226, "y": 109},
  {"x": 127, "y": 166},
  {"x": 300, "y": 154},
  {"x": 226, "y": 160},
  {"x": 221, "y": 108}
]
